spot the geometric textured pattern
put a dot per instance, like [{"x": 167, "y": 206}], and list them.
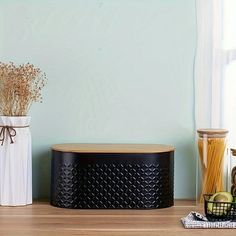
[{"x": 112, "y": 185}]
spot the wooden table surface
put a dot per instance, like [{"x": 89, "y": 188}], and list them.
[{"x": 43, "y": 219}]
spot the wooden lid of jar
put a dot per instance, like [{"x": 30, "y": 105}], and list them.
[
  {"x": 213, "y": 132},
  {"x": 112, "y": 148}
]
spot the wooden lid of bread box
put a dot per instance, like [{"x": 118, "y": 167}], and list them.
[{"x": 112, "y": 148}]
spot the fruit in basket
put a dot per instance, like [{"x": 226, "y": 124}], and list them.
[{"x": 219, "y": 203}]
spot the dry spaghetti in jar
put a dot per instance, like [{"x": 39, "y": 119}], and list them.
[{"x": 211, "y": 147}]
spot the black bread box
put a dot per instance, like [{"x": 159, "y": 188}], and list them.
[{"x": 112, "y": 176}]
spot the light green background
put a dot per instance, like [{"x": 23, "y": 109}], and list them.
[{"x": 119, "y": 71}]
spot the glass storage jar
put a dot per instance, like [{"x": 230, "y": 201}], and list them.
[{"x": 211, "y": 148}]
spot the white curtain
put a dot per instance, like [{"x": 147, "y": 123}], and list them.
[
  {"x": 215, "y": 69},
  {"x": 212, "y": 58}
]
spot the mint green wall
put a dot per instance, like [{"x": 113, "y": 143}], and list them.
[{"x": 118, "y": 71}]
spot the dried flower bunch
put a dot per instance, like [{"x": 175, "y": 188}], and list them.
[{"x": 20, "y": 86}]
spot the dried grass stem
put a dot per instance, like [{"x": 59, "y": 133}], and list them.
[{"x": 20, "y": 86}]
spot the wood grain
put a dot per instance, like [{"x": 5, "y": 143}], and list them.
[
  {"x": 44, "y": 220},
  {"x": 112, "y": 148}
]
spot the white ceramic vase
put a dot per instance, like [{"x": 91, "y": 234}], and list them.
[{"x": 15, "y": 161}]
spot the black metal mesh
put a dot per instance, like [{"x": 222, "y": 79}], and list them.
[{"x": 219, "y": 211}]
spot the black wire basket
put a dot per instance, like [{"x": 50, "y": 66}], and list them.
[{"x": 219, "y": 211}]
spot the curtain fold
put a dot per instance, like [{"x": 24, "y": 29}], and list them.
[{"x": 209, "y": 65}]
